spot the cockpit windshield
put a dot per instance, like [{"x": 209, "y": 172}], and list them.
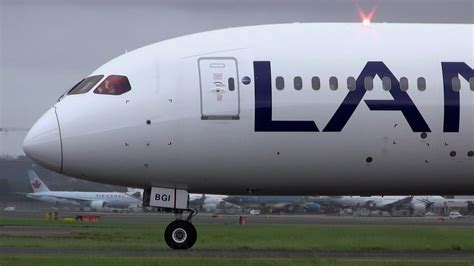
[
  {"x": 114, "y": 85},
  {"x": 85, "y": 85}
]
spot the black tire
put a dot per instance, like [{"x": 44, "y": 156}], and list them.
[{"x": 180, "y": 235}]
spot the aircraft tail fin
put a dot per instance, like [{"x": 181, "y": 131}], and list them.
[
  {"x": 135, "y": 192},
  {"x": 36, "y": 183}
]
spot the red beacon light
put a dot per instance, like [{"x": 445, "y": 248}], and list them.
[
  {"x": 366, "y": 22},
  {"x": 366, "y": 18}
]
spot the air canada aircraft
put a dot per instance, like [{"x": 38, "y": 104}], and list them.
[
  {"x": 286, "y": 109},
  {"x": 94, "y": 200}
]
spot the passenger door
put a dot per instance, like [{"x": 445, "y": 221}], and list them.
[{"x": 220, "y": 99}]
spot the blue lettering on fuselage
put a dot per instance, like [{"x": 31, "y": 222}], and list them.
[
  {"x": 263, "y": 105},
  {"x": 401, "y": 101},
  {"x": 451, "y": 97}
]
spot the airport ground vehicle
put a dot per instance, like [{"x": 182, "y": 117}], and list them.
[{"x": 455, "y": 215}]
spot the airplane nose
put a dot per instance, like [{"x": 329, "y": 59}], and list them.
[{"x": 43, "y": 142}]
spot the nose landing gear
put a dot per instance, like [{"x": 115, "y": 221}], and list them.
[{"x": 181, "y": 234}]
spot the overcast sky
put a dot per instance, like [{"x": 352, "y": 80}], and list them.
[{"x": 47, "y": 46}]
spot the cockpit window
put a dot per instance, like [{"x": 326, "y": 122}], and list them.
[
  {"x": 114, "y": 85},
  {"x": 85, "y": 85}
]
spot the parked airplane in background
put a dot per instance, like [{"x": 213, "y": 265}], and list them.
[
  {"x": 208, "y": 202},
  {"x": 417, "y": 205},
  {"x": 440, "y": 202},
  {"x": 277, "y": 203},
  {"x": 135, "y": 192},
  {"x": 289, "y": 109},
  {"x": 384, "y": 203},
  {"x": 95, "y": 200}
]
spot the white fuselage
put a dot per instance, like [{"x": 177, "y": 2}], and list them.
[
  {"x": 441, "y": 202},
  {"x": 183, "y": 125},
  {"x": 91, "y": 199}
]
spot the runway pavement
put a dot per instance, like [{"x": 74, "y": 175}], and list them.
[
  {"x": 244, "y": 254},
  {"x": 206, "y": 218}
]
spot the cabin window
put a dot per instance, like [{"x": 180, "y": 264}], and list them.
[
  {"x": 114, "y": 85},
  {"x": 421, "y": 84},
  {"x": 315, "y": 83},
  {"x": 85, "y": 85},
  {"x": 456, "y": 83},
  {"x": 351, "y": 83},
  {"x": 298, "y": 83},
  {"x": 404, "y": 84},
  {"x": 387, "y": 83},
  {"x": 333, "y": 83},
  {"x": 369, "y": 83},
  {"x": 280, "y": 83},
  {"x": 471, "y": 83}
]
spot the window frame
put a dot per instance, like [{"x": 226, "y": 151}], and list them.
[
  {"x": 386, "y": 83},
  {"x": 316, "y": 83},
  {"x": 369, "y": 80},
  {"x": 96, "y": 79},
  {"x": 404, "y": 84},
  {"x": 456, "y": 84},
  {"x": 421, "y": 83},
  {"x": 351, "y": 83},
  {"x": 282, "y": 83},
  {"x": 298, "y": 81},
  {"x": 333, "y": 83},
  {"x": 120, "y": 92}
]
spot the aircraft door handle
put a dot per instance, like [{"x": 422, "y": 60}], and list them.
[{"x": 219, "y": 88}]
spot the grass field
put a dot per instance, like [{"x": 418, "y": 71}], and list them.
[
  {"x": 232, "y": 236},
  {"x": 276, "y": 237},
  {"x": 78, "y": 261}
]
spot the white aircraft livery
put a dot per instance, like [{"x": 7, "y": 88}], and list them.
[
  {"x": 290, "y": 109},
  {"x": 95, "y": 200}
]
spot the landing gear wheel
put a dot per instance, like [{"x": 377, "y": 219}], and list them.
[{"x": 180, "y": 235}]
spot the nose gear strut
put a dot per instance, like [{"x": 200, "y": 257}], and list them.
[{"x": 181, "y": 233}]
